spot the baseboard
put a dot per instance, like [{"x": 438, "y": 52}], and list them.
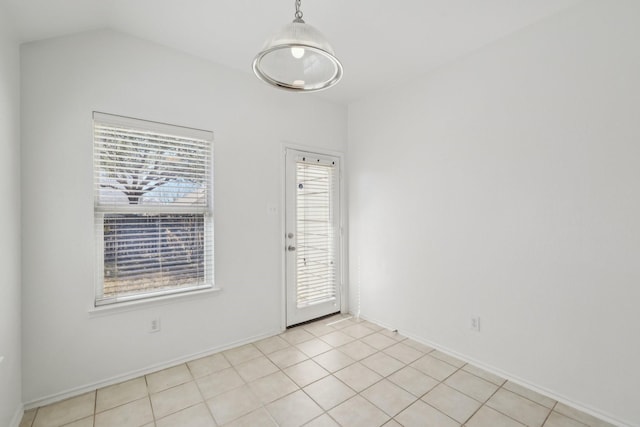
[
  {"x": 76, "y": 391},
  {"x": 17, "y": 417},
  {"x": 508, "y": 376}
]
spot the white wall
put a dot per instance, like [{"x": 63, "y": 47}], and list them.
[
  {"x": 507, "y": 185},
  {"x": 10, "y": 367},
  {"x": 64, "y": 80}
]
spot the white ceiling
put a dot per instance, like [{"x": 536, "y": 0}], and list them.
[{"x": 378, "y": 42}]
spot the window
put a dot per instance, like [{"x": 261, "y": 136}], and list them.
[{"x": 153, "y": 208}]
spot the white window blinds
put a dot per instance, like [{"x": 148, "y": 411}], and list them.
[
  {"x": 316, "y": 229},
  {"x": 153, "y": 195}
]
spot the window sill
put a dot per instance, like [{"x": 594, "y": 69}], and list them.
[{"x": 121, "y": 307}]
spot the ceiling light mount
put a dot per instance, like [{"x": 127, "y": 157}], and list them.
[{"x": 298, "y": 58}]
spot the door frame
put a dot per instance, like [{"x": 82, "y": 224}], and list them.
[{"x": 342, "y": 235}]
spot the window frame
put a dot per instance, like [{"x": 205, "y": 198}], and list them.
[{"x": 100, "y": 211}]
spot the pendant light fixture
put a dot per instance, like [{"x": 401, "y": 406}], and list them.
[{"x": 298, "y": 58}]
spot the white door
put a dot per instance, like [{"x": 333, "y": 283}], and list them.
[{"x": 313, "y": 279}]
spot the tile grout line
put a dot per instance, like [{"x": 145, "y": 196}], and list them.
[
  {"x": 204, "y": 401},
  {"x": 153, "y": 413},
  {"x": 421, "y": 398},
  {"x": 245, "y": 383},
  {"x": 549, "y": 414},
  {"x": 33, "y": 421},
  {"x": 572, "y": 418},
  {"x": 523, "y": 397},
  {"x": 264, "y": 405},
  {"x": 483, "y": 404},
  {"x": 95, "y": 407}
]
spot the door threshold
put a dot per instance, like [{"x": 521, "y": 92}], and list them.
[{"x": 315, "y": 320}]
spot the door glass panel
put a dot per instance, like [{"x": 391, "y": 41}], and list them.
[{"x": 315, "y": 264}]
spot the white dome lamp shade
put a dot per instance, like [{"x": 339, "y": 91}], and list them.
[{"x": 298, "y": 58}]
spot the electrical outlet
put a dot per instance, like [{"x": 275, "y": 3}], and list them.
[
  {"x": 154, "y": 325},
  {"x": 475, "y": 323}
]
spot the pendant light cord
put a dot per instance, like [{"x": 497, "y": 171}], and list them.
[{"x": 298, "y": 14}]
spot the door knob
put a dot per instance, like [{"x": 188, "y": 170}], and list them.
[{"x": 291, "y": 248}]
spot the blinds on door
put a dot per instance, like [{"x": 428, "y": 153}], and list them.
[{"x": 316, "y": 229}]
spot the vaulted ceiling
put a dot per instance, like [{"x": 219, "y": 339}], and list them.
[{"x": 380, "y": 43}]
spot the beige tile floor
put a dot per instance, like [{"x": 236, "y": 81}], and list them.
[{"x": 351, "y": 373}]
